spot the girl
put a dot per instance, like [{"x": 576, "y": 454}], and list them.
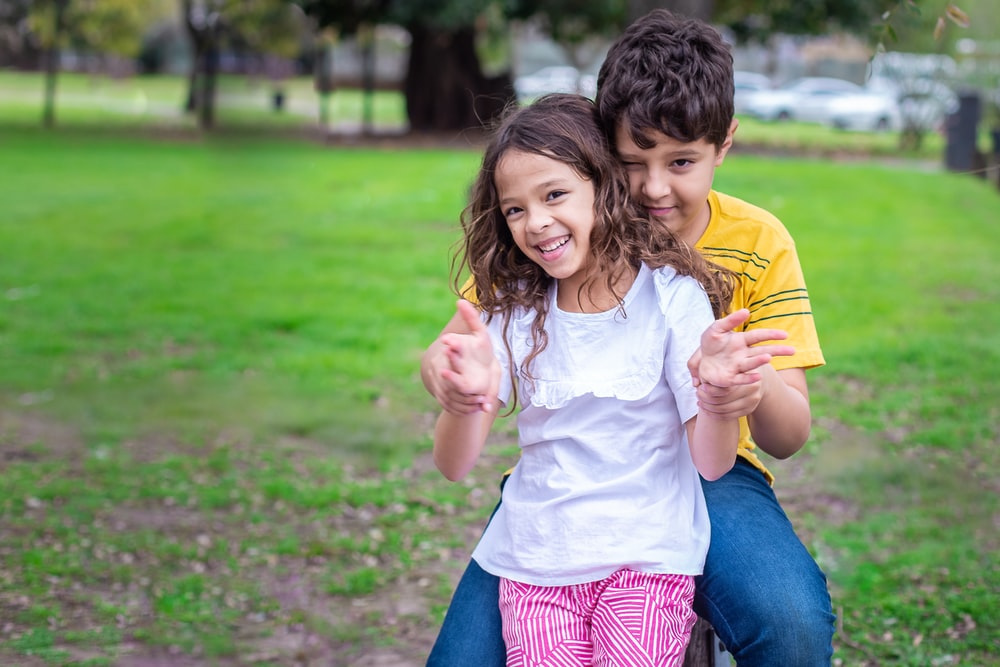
[{"x": 588, "y": 321}]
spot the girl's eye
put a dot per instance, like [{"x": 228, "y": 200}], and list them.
[
  {"x": 555, "y": 194},
  {"x": 513, "y": 210}
]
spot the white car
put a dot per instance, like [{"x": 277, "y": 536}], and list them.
[
  {"x": 923, "y": 102},
  {"x": 806, "y": 99},
  {"x": 553, "y": 79},
  {"x": 745, "y": 84},
  {"x": 870, "y": 111}
]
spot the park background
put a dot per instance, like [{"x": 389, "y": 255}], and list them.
[{"x": 214, "y": 443}]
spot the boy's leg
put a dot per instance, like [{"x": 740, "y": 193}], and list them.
[
  {"x": 547, "y": 626},
  {"x": 761, "y": 589},
  {"x": 470, "y": 635},
  {"x": 643, "y": 619}
]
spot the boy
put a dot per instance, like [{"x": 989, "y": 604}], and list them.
[{"x": 665, "y": 95}]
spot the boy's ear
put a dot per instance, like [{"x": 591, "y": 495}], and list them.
[{"x": 720, "y": 154}]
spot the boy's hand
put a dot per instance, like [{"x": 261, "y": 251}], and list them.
[
  {"x": 467, "y": 372},
  {"x": 725, "y": 368}
]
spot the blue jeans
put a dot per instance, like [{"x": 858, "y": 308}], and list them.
[{"x": 761, "y": 589}]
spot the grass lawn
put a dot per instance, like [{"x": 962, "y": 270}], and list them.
[
  {"x": 84, "y": 101},
  {"x": 213, "y": 438}
]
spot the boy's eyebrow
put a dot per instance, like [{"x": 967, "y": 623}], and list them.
[{"x": 685, "y": 152}]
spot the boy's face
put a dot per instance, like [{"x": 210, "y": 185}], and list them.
[{"x": 672, "y": 179}]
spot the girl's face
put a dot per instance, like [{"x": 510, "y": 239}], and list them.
[{"x": 549, "y": 210}]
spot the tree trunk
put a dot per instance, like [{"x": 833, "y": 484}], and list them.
[
  {"x": 52, "y": 65},
  {"x": 366, "y": 36},
  {"x": 209, "y": 76},
  {"x": 204, "y": 66},
  {"x": 445, "y": 88}
]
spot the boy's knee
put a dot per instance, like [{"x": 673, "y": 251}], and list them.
[{"x": 794, "y": 634}]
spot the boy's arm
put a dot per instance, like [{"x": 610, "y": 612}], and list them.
[{"x": 781, "y": 422}]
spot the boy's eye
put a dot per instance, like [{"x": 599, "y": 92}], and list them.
[{"x": 683, "y": 162}]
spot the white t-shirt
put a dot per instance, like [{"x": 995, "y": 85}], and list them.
[{"x": 605, "y": 479}]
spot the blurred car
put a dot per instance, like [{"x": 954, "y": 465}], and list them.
[
  {"x": 747, "y": 83},
  {"x": 870, "y": 111},
  {"x": 923, "y": 102},
  {"x": 553, "y": 79},
  {"x": 805, "y": 99}
]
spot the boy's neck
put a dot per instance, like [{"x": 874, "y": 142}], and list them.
[{"x": 693, "y": 233}]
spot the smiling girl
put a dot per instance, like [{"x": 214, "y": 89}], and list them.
[{"x": 586, "y": 320}]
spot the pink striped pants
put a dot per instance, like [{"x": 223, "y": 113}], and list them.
[{"x": 629, "y": 619}]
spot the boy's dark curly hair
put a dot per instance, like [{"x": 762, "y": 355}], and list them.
[{"x": 667, "y": 73}]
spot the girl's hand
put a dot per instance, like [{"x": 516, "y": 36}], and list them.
[
  {"x": 725, "y": 368},
  {"x": 471, "y": 376},
  {"x": 728, "y": 357}
]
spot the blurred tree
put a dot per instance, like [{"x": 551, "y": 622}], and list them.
[
  {"x": 445, "y": 86},
  {"x": 758, "y": 20},
  {"x": 13, "y": 19},
  {"x": 266, "y": 24},
  {"x": 699, "y": 9},
  {"x": 347, "y": 17},
  {"x": 574, "y": 23},
  {"x": 203, "y": 20},
  {"x": 101, "y": 26},
  {"x": 273, "y": 31}
]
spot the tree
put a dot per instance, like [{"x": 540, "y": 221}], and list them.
[
  {"x": 445, "y": 86},
  {"x": 105, "y": 26},
  {"x": 347, "y": 17},
  {"x": 203, "y": 20},
  {"x": 757, "y": 20},
  {"x": 264, "y": 23}
]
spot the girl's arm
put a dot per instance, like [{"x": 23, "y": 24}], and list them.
[
  {"x": 471, "y": 364},
  {"x": 713, "y": 442},
  {"x": 459, "y": 440}
]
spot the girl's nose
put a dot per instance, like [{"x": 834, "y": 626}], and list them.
[{"x": 539, "y": 220}]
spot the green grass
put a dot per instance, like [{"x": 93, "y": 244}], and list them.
[
  {"x": 100, "y": 102},
  {"x": 214, "y": 439}
]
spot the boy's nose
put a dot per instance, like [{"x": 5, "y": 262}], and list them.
[{"x": 656, "y": 184}]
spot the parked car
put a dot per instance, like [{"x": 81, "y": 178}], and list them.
[
  {"x": 923, "y": 102},
  {"x": 554, "y": 79},
  {"x": 869, "y": 110},
  {"x": 805, "y": 99},
  {"x": 745, "y": 84}
]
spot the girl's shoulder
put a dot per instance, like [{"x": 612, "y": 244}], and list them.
[{"x": 665, "y": 290}]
